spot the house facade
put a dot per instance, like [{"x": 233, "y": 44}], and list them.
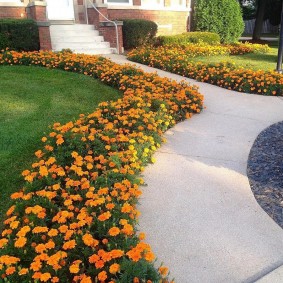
[{"x": 171, "y": 16}]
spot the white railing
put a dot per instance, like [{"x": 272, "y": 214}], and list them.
[{"x": 115, "y": 24}]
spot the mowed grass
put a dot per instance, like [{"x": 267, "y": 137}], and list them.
[
  {"x": 252, "y": 61},
  {"x": 31, "y": 99}
]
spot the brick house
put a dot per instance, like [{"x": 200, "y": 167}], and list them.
[{"x": 77, "y": 24}]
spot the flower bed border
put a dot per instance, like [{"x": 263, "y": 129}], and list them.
[
  {"x": 225, "y": 75},
  {"x": 74, "y": 219}
]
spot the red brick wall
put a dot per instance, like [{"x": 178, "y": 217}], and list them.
[
  {"x": 37, "y": 13},
  {"x": 178, "y": 19},
  {"x": 44, "y": 38},
  {"x": 109, "y": 34},
  {"x": 12, "y": 12}
]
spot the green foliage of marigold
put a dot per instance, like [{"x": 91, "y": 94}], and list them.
[{"x": 223, "y": 17}]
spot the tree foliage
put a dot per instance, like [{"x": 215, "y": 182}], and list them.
[{"x": 223, "y": 17}]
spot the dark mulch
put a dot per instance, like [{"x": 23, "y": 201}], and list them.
[{"x": 265, "y": 171}]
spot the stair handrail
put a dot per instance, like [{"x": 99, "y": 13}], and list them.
[{"x": 113, "y": 22}]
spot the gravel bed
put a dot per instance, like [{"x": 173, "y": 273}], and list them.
[{"x": 265, "y": 171}]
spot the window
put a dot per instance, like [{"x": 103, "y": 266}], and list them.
[
  {"x": 123, "y": 2},
  {"x": 154, "y": 3},
  {"x": 178, "y": 3}
]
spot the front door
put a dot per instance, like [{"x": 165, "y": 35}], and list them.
[{"x": 60, "y": 10}]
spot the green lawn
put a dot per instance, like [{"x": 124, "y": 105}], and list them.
[
  {"x": 252, "y": 61},
  {"x": 31, "y": 99}
]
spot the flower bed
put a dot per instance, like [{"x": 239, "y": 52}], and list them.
[
  {"x": 226, "y": 75},
  {"x": 74, "y": 219}
]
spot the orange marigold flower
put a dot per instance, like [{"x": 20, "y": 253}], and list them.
[
  {"x": 89, "y": 240},
  {"x": 116, "y": 253},
  {"x": 35, "y": 266},
  {"x": 23, "y": 271},
  {"x": 74, "y": 268},
  {"x": 86, "y": 280},
  {"x": 43, "y": 171},
  {"x": 163, "y": 270},
  {"x": 39, "y": 229},
  {"x": 114, "y": 231},
  {"x": 45, "y": 277},
  {"x": 55, "y": 279},
  {"x": 10, "y": 270},
  {"x": 3, "y": 242},
  {"x": 10, "y": 210},
  {"x": 104, "y": 216},
  {"x": 20, "y": 242},
  {"x": 114, "y": 268},
  {"x": 53, "y": 232},
  {"x": 69, "y": 245},
  {"x": 102, "y": 276}
]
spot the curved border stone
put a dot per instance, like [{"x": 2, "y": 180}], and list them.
[{"x": 265, "y": 171}]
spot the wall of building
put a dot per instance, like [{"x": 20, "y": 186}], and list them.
[{"x": 169, "y": 22}]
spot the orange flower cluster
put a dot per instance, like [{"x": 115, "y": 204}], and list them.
[
  {"x": 225, "y": 75},
  {"x": 75, "y": 218}
]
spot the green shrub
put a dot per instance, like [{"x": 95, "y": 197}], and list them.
[
  {"x": 220, "y": 16},
  {"x": 189, "y": 37},
  {"x": 18, "y": 34},
  {"x": 137, "y": 32}
]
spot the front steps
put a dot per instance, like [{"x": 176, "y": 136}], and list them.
[{"x": 79, "y": 38}]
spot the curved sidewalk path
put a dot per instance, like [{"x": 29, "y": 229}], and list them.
[{"x": 198, "y": 210}]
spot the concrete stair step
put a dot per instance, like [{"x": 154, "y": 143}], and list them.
[
  {"x": 75, "y": 27},
  {"x": 70, "y": 33},
  {"x": 89, "y": 39},
  {"x": 79, "y": 38},
  {"x": 78, "y": 45},
  {"x": 95, "y": 51}
]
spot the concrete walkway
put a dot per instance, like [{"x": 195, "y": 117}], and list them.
[{"x": 198, "y": 210}]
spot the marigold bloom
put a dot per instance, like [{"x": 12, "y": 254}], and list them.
[
  {"x": 20, "y": 242},
  {"x": 23, "y": 271},
  {"x": 69, "y": 245},
  {"x": 74, "y": 268},
  {"x": 10, "y": 270},
  {"x": 114, "y": 231},
  {"x": 163, "y": 270},
  {"x": 102, "y": 276},
  {"x": 114, "y": 268},
  {"x": 45, "y": 277}
]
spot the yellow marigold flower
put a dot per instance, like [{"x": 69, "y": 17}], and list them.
[
  {"x": 114, "y": 268},
  {"x": 44, "y": 139},
  {"x": 43, "y": 171}
]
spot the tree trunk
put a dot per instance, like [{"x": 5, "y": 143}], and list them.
[{"x": 259, "y": 19}]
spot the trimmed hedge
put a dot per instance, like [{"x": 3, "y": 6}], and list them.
[
  {"x": 19, "y": 34},
  {"x": 189, "y": 37},
  {"x": 220, "y": 16},
  {"x": 137, "y": 32}
]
